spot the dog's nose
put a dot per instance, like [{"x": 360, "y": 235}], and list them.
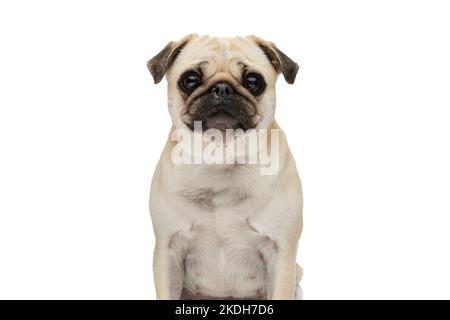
[{"x": 222, "y": 90}]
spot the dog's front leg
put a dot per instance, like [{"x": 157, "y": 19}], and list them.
[
  {"x": 282, "y": 275},
  {"x": 168, "y": 272}
]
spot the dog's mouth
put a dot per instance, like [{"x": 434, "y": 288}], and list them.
[
  {"x": 222, "y": 120},
  {"x": 235, "y": 113}
]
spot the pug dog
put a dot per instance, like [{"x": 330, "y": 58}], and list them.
[{"x": 225, "y": 231}]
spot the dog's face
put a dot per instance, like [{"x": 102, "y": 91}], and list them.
[{"x": 226, "y": 83}]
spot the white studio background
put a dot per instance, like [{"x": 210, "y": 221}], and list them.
[{"x": 82, "y": 127}]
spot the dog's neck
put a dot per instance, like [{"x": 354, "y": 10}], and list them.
[{"x": 227, "y": 176}]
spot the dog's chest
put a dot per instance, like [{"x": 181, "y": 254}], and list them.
[
  {"x": 224, "y": 253},
  {"x": 227, "y": 258}
]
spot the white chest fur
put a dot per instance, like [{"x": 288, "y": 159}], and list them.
[{"x": 224, "y": 255}]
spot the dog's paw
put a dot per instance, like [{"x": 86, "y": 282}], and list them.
[{"x": 298, "y": 293}]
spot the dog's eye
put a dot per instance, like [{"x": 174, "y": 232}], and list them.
[
  {"x": 189, "y": 81},
  {"x": 254, "y": 83}
]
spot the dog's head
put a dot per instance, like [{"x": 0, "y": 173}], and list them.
[{"x": 226, "y": 83}]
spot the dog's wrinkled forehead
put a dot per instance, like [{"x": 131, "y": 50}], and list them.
[
  {"x": 222, "y": 55},
  {"x": 214, "y": 55}
]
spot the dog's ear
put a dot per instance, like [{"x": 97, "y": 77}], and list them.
[
  {"x": 281, "y": 62},
  {"x": 159, "y": 64}
]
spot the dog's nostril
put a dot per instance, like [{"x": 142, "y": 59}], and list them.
[{"x": 222, "y": 89}]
